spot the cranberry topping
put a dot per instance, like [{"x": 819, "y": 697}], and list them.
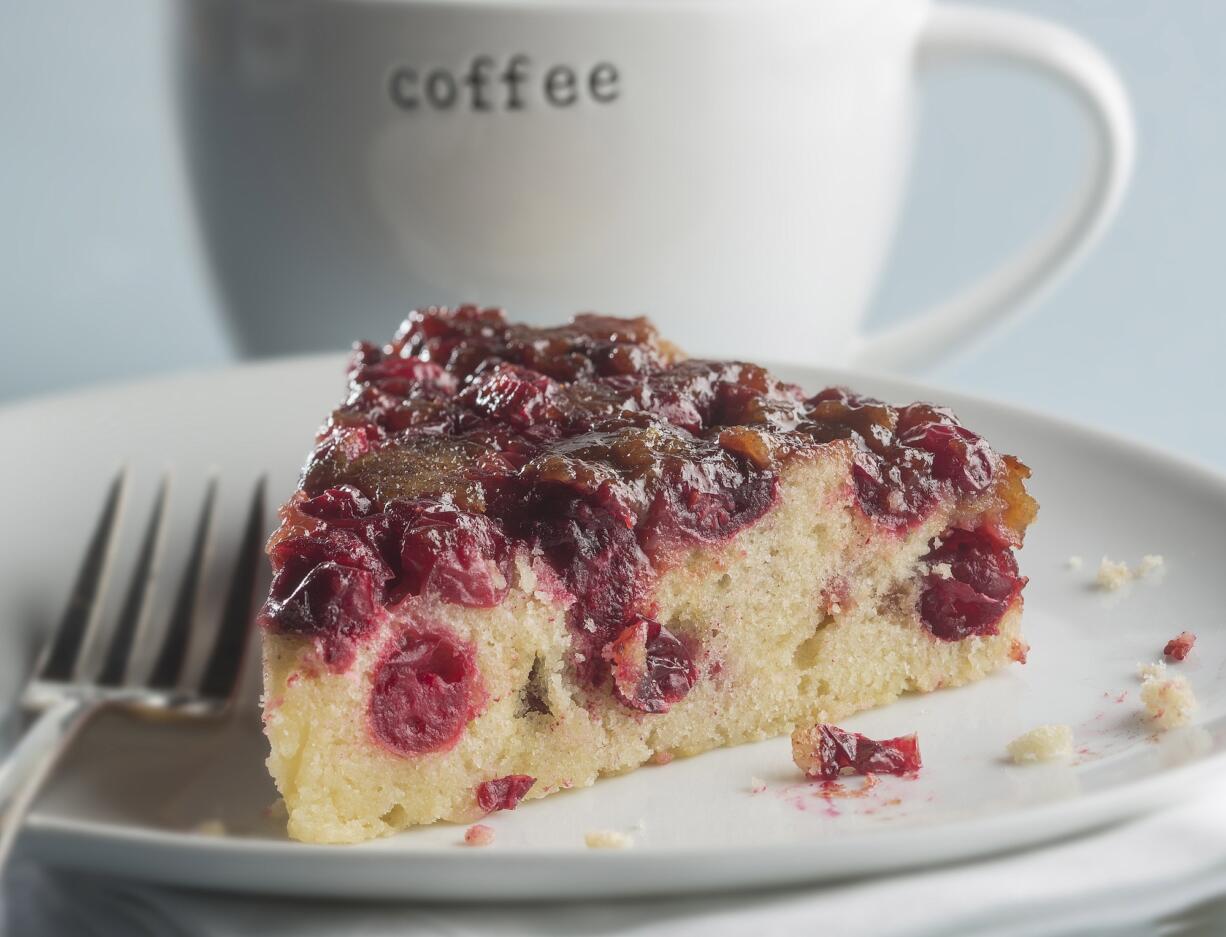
[
  {"x": 972, "y": 582},
  {"x": 337, "y": 505},
  {"x": 958, "y": 455},
  {"x": 459, "y": 556},
  {"x": 334, "y": 604},
  {"x": 905, "y": 455},
  {"x": 503, "y": 793},
  {"x": 425, "y": 690},
  {"x": 593, "y": 446},
  {"x": 651, "y": 668},
  {"x": 826, "y": 751},
  {"x": 1178, "y": 647},
  {"x": 514, "y": 395},
  {"x": 326, "y": 587}
]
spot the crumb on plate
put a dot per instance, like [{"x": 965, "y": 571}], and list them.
[
  {"x": 479, "y": 834},
  {"x": 607, "y": 839},
  {"x": 756, "y": 785},
  {"x": 1153, "y": 671},
  {"x": 1150, "y": 563},
  {"x": 1112, "y": 575},
  {"x": 1074, "y": 562},
  {"x": 212, "y": 827},
  {"x": 1043, "y": 743},
  {"x": 1168, "y": 700}
]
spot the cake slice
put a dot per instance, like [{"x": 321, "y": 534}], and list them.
[{"x": 522, "y": 558}]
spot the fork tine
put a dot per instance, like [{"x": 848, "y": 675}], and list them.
[
  {"x": 165, "y": 673},
  {"x": 81, "y": 615},
  {"x": 140, "y": 589},
  {"x": 225, "y": 661}
]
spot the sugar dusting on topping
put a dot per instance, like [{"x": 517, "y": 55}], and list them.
[
  {"x": 1043, "y": 743},
  {"x": 607, "y": 839}
]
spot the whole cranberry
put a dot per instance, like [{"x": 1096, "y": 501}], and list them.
[
  {"x": 425, "y": 690},
  {"x": 513, "y": 394},
  {"x": 972, "y": 595},
  {"x": 958, "y": 455},
  {"x": 460, "y": 556}
]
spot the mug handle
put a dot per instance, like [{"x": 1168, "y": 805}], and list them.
[{"x": 956, "y": 32}]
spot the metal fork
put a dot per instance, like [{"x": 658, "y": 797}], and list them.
[{"x": 79, "y": 674}]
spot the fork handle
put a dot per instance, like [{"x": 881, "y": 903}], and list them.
[{"x": 26, "y": 768}]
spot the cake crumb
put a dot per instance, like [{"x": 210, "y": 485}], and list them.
[
  {"x": 1169, "y": 701},
  {"x": 212, "y": 827},
  {"x": 607, "y": 839},
  {"x": 944, "y": 570},
  {"x": 661, "y": 758},
  {"x": 1074, "y": 562},
  {"x": 1043, "y": 743},
  {"x": 1112, "y": 575},
  {"x": 756, "y": 785},
  {"x": 1154, "y": 671},
  {"x": 479, "y": 834},
  {"x": 1178, "y": 647},
  {"x": 1150, "y": 563}
]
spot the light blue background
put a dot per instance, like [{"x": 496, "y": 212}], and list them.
[{"x": 101, "y": 275}]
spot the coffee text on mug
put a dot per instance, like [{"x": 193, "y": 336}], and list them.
[{"x": 488, "y": 84}]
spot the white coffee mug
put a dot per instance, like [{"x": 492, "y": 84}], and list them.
[{"x": 730, "y": 168}]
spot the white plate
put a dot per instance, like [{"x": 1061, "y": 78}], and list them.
[{"x": 131, "y": 794}]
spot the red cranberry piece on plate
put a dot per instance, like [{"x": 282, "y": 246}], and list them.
[
  {"x": 1178, "y": 647},
  {"x": 825, "y": 751},
  {"x": 651, "y": 668},
  {"x": 503, "y": 793},
  {"x": 425, "y": 690}
]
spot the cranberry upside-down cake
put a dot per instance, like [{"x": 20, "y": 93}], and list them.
[{"x": 522, "y": 558}]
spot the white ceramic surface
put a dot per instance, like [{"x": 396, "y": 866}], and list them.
[
  {"x": 130, "y": 797},
  {"x": 692, "y": 160}
]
